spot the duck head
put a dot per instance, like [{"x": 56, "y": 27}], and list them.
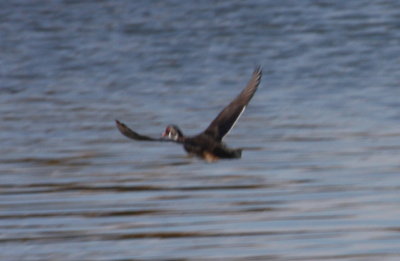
[{"x": 172, "y": 132}]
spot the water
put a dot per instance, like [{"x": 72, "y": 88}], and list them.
[{"x": 324, "y": 184}]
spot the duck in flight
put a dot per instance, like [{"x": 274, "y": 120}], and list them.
[{"x": 208, "y": 144}]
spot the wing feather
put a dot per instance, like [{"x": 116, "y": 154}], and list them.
[
  {"x": 228, "y": 117},
  {"x": 126, "y": 131}
]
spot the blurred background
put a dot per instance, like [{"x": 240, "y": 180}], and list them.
[{"x": 324, "y": 184}]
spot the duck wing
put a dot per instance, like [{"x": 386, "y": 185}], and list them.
[
  {"x": 126, "y": 131},
  {"x": 227, "y": 118}
]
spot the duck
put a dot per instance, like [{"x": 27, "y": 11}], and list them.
[{"x": 208, "y": 144}]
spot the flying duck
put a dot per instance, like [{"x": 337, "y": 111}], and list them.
[{"x": 208, "y": 144}]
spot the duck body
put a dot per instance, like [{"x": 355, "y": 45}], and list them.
[{"x": 206, "y": 147}]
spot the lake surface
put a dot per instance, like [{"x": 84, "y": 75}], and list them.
[{"x": 323, "y": 183}]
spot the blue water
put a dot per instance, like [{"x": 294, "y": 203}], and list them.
[{"x": 323, "y": 185}]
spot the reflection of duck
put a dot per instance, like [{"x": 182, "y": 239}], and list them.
[{"x": 208, "y": 144}]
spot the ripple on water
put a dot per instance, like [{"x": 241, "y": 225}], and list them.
[{"x": 318, "y": 179}]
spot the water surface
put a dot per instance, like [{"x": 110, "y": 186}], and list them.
[{"x": 323, "y": 185}]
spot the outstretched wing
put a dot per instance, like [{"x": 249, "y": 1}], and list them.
[
  {"x": 227, "y": 118},
  {"x": 126, "y": 131}
]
